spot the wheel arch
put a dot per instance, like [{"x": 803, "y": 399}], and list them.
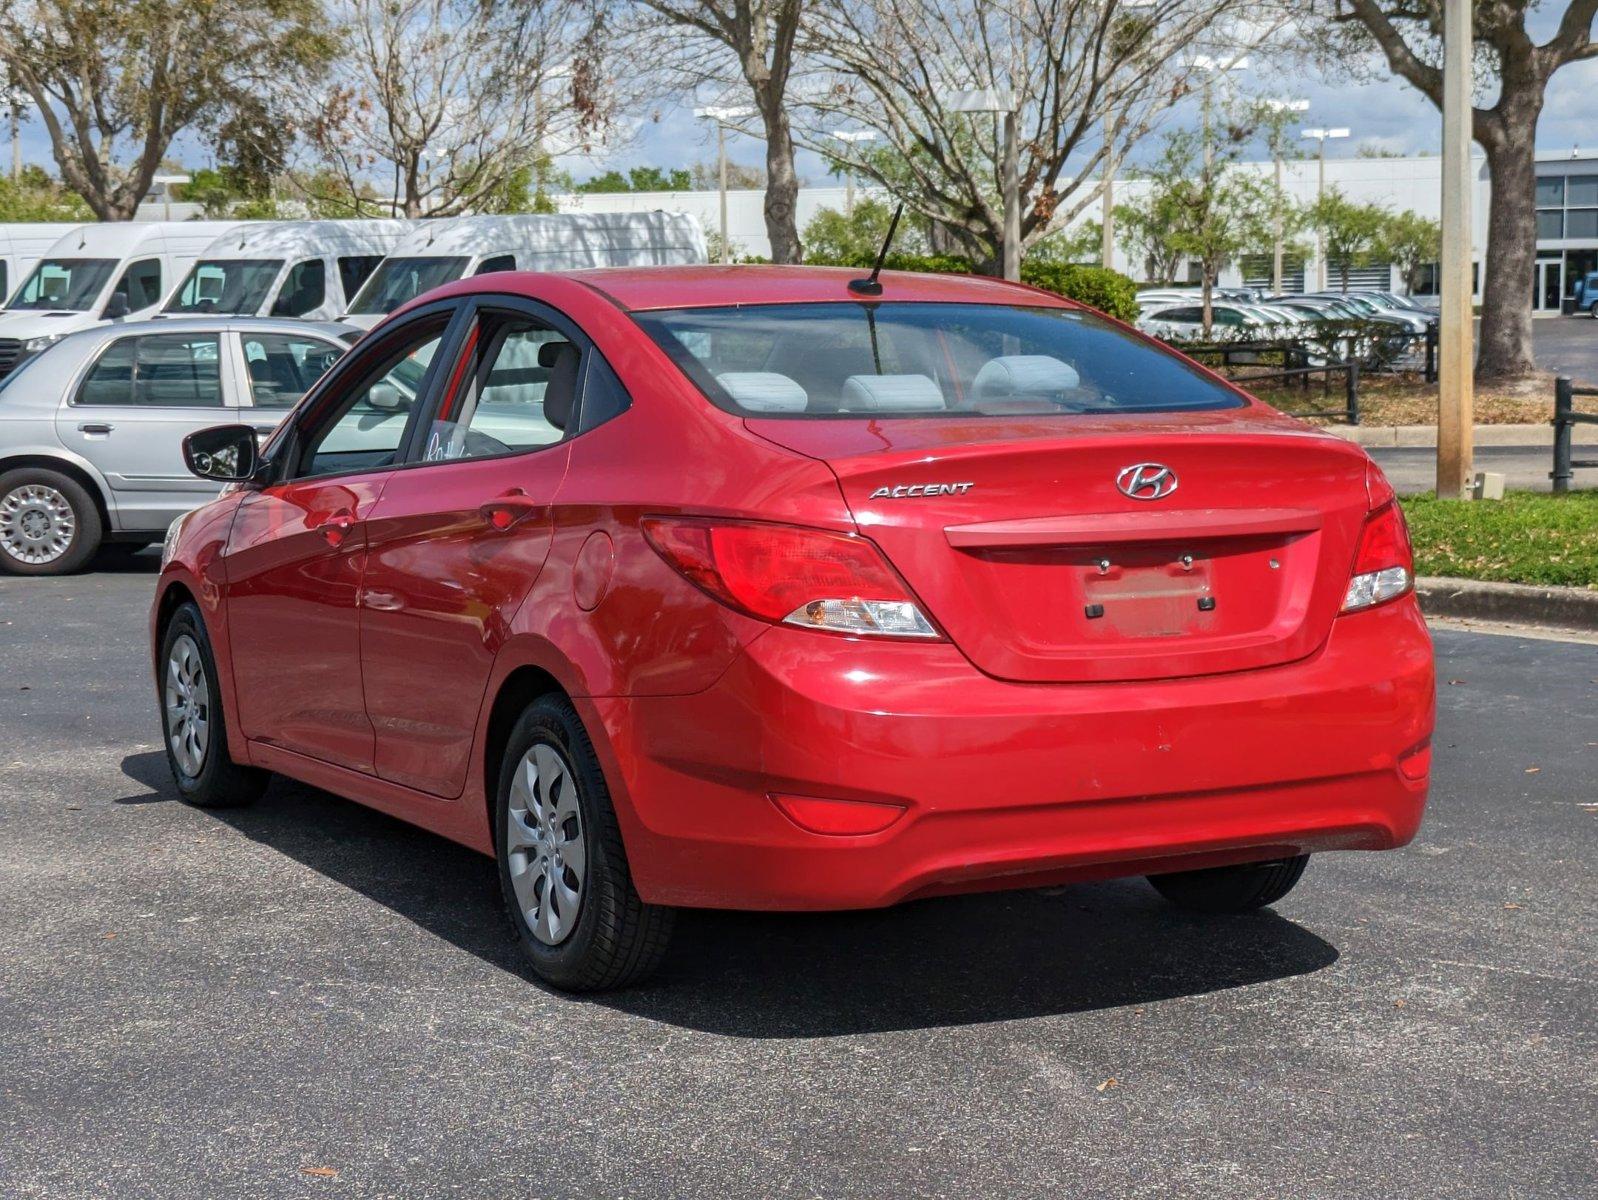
[
  {"x": 516, "y": 691},
  {"x": 85, "y": 476}
]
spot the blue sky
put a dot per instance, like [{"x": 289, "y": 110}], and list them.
[{"x": 1388, "y": 114}]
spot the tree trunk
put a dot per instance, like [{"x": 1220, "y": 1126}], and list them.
[
  {"x": 782, "y": 183},
  {"x": 1505, "y": 346}
]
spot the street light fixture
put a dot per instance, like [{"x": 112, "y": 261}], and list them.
[
  {"x": 851, "y": 137},
  {"x": 1279, "y": 107},
  {"x": 722, "y": 115},
  {"x": 1322, "y": 136},
  {"x": 1211, "y": 68},
  {"x": 1002, "y": 101}
]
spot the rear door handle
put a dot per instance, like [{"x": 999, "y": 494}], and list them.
[
  {"x": 336, "y": 526},
  {"x": 96, "y": 427},
  {"x": 510, "y": 509}
]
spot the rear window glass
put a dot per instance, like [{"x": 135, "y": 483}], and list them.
[{"x": 919, "y": 360}]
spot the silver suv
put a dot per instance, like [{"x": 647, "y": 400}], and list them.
[{"x": 91, "y": 430}]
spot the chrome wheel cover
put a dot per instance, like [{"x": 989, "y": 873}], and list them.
[
  {"x": 545, "y": 844},
  {"x": 37, "y": 524},
  {"x": 188, "y": 706}
]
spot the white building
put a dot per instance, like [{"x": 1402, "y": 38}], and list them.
[{"x": 1567, "y": 199}]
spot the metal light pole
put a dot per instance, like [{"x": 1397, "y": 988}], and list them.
[
  {"x": 1322, "y": 136},
  {"x": 1107, "y": 219},
  {"x": 1002, "y": 102},
  {"x": 721, "y": 115},
  {"x": 16, "y": 101},
  {"x": 1456, "y": 350},
  {"x": 1279, "y": 106},
  {"x": 851, "y": 137}
]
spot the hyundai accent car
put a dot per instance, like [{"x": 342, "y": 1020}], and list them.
[{"x": 771, "y": 588}]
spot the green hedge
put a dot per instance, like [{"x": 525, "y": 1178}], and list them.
[{"x": 1108, "y": 291}]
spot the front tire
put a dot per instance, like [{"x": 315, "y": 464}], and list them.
[
  {"x": 49, "y": 524},
  {"x": 1231, "y": 889},
  {"x": 562, "y": 867},
  {"x": 193, "y": 725}
]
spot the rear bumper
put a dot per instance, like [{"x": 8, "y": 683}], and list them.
[{"x": 1008, "y": 785}]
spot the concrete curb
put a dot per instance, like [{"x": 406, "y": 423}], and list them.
[
  {"x": 1486, "y": 435},
  {"x": 1516, "y": 603}
]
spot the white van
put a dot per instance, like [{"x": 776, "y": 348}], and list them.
[
  {"x": 439, "y": 251},
  {"x": 306, "y": 269},
  {"x": 107, "y": 272},
  {"x": 23, "y": 244}
]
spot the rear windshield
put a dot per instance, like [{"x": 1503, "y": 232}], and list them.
[
  {"x": 64, "y": 283},
  {"x": 400, "y": 280},
  {"x": 226, "y": 285},
  {"x": 919, "y": 360}
]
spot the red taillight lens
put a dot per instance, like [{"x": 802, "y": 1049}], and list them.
[
  {"x": 808, "y": 577},
  {"x": 1384, "y": 564}
]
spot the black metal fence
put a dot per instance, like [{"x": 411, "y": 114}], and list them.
[{"x": 1566, "y": 418}]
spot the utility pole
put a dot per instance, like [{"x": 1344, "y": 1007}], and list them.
[
  {"x": 1321, "y": 136},
  {"x": 851, "y": 138},
  {"x": 1002, "y": 101},
  {"x": 721, "y": 115},
  {"x": 1456, "y": 340},
  {"x": 1107, "y": 220},
  {"x": 1279, "y": 108}
]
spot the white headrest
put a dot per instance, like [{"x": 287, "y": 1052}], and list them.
[
  {"x": 1024, "y": 375},
  {"x": 890, "y": 393},
  {"x": 764, "y": 391}
]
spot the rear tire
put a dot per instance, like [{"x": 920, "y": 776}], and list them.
[
  {"x": 193, "y": 725},
  {"x": 562, "y": 867},
  {"x": 1231, "y": 889},
  {"x": 49, "y": 524}
]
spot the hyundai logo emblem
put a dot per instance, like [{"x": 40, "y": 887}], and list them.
[{"x": 1146, "y": 481}]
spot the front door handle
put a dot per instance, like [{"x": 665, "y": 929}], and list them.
[
  {"x": 336, "y": 526},
  {"x": 96, "y": 427},
  {"x": 510, "y": 509}
]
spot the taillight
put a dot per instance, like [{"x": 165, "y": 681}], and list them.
[
  {"x": 1384, "y": 566},
  {"x": 781, "y": 573}
]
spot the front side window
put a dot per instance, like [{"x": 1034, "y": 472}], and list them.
[
  {"x": 304, "y": 289},
  {"x": 516, "y": 392},
  {"x": 400, "y": 280},
  {"x": 909, "y": 359},
  {"x": 283, "y": 366},
  {"x": 141, "y": 284},
  {"x": 365, "y": 429},
  {"x": 237, "y": 285},
  {"x": 496, "y": 263},
  {"x": 355, "y": 269},
  {"x": 156, "y": 370},
  {"x": 66, "y": 284}
]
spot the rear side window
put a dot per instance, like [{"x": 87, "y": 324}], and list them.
[
  {"x": 158, "y": 370},
  {"x": 282, "y": 367},
  {"x": 925, "y": 360},
  {"x": 304, "y": 289}
]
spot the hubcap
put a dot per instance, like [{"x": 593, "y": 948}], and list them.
[
  {"x": 37, "y": 524},
  {"x": 188, "y": 706},
  {"x": 545, "y": 845}
]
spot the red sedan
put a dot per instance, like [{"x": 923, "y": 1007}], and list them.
[{"x": 743, "y": 587}]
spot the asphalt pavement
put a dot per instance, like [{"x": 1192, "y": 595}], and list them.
[{"x": 306, "y": 998}]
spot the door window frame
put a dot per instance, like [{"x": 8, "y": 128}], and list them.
[
  {"x": 241, "y": 365},
  {"x": 226, "y": 370}
]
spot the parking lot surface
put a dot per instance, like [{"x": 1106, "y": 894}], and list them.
[{"x": 306, "y": 998}]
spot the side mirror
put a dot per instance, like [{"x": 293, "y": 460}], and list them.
[
  {"x": 387, "y": 397},
  {"x": 116, "y": 307},
  {"x": 222, "y": 453}
]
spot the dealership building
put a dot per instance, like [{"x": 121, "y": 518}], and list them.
[{"x": 1567, "y": 217}]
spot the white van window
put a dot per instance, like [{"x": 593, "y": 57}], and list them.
[
  {"x": 141, "y": 284},
  {"x": 72, "y": 284},
  {"x": 283, "y": 366},
  {"x": 305, "y": 289},
  {"x": 400, "y": 280},
  {"x": 355, "y": 269},
  {"x": 226, "y": 285},
  {"x": 498, "y": 262},
  {"x": 156, "y": 370}
]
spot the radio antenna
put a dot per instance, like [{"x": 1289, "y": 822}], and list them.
[{"x": 870, "y": 286}]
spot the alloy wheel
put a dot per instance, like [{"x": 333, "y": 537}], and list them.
[
  {"x": 546, "y": 844},
  {"x": 188, "y": 706},
  {"x": 37, "y": 524}
]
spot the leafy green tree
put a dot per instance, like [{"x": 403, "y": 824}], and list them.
[
  {"x": 1412, "y": 243},
  {"x": 833, "y": 237},
  {"x": 639, "y": 179},
  {"x": 34, "y": 196},
  {"x": 1351, "y": 233},
  {"x": 114, "y": 81},
  {"x": 1082, "y": 244}
]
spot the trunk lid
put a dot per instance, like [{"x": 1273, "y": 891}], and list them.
[{"x": 1019, "y": 543}]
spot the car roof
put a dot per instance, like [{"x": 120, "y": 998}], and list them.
[
  {"x": 643, "y": 288},
  {"x": 217, "y": 324}
]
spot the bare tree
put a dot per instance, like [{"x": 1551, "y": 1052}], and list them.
[
  {"x": 1409, "y": 35},
  {"x": 754, "y": 41},
  {"x": 1071, "y": 69},
  {"x": 454, "y": 99},
  {"x": 114, "y": 82}
]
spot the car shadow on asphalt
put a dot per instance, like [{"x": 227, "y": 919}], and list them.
[{"x": 949, "y": 961}]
